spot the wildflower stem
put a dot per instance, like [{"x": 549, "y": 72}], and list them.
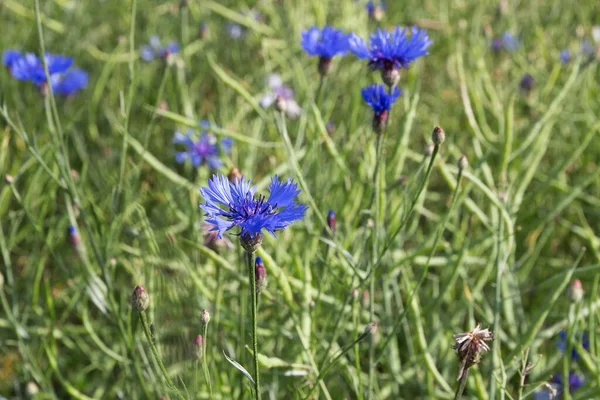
[
  {"x": 319, "y": 89},
  {"x": 461, "y": 386},
  {"x": 157, "y": 358},
  {"x": 252, "y": 283},
  {"x": 205, "y": 360},
  {"x": 566, "y": 364}
]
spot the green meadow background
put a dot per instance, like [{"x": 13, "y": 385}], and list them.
[{"x": 499, "y": 246}]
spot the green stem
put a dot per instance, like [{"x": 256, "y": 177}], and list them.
[
  {"x": 205, "y": 361},
  {"x": 461, "y": 386},
  {"x": 157, "y": 357},
  {"x": 252, "y": 283}
]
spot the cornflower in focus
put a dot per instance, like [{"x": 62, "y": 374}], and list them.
[
  {"x": 228, "y": 205},
  {"x": 64, "y": 80},
  {"x": 388, "y": 51},
  {"x": 324, "y": 43},
  {"x": 154, "y": 49},
  {"x": 205, "y": 150},
  {"x": 281, "y": 95},
  {"x": 381, "y": 102}
]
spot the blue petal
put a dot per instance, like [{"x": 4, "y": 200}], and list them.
[
  {"x": 10, "y": 56},
  {"x": 282, "y": 194},
  {"x": 217, "y": 193},
  {"x": 181, "y": 156},
  {"x": 358, "y": 46},
  {"x": 74, "y": 80},
  {"x": 147, "y": 53}
]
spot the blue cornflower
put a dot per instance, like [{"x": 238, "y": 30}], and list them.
[
  {"x": 575, "y": 382},
  {"x": 565, "y": 56},
  {"x": 527, "y": 82},
  {"x": 63, "y": 79},
  {"x": 390, "y": 51},
  {"x": 230, "y": 204},
  {"x": 235, "y": 31},
  {"x": 281, "y": 95},
  {"x": 381, "y": 102},
  {"x": 325, "y": 43},
  {"x": 375, "y": 9},
  {"x": 510, "y": 42},
  {"x": 562, "y": 343},
  {"x": 204, "y": 150},
  {"x": 154, "y": 49}
]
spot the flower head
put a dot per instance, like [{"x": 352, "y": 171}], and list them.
[
  {"x": 510, "y": 42},
  {"x": 204, "y": 150},
  {"x": 562, "y": 343},
  {"x": 326, "y": 42},
  {"x": 575, "y": 382},
  {"x": 154, "y": 49},
  {"x": 235, "y": 204},
  {"x": 64, "y": 80},
  {"x": 331, "y": 220},
  {"x": 391, "y": 49},
  {"x": 280, "y": 94},
  {"x": 527, "y": 82},
  {"x": 469, "y": 346},
  {"x": 565, "y": 56},
  {"x": 377, "y": 97}
]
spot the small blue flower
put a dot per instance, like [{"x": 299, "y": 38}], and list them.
[
  {"x": 562, "y": 343},
  {"x": 279, "y": 92},
  {"x": 154, "y": 49},
  {"x": 391, "y": 50},
  {"x": 565, "y": 56},
  {"x": 69, "y": 83},
  {"x": 204, "y": 150},
  {"x": 377, "y": 97},
  {"x": 575, "y": 382},
  {"x": 235, "y": 204},
  {"x": 375, "y": 9},
  {"x": 9, "y": 57},
  {"x": 527, "y": 82},
  {"x": 235, "y": 31},
  {"x": 510, "y": 42},
  {"x": 326, "y": 42}
]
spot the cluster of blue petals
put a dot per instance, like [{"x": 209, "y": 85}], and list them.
[
  {"x": 391, "y": 49},
  {"x": 378, "y": 98},
  {"x": 64, "y": 80},
  {"x": 154, "y": 49},
  {"x": 326, "y": 42},
  {"x": 203, "y": 150},
  {"x": 230, "y": 204}
]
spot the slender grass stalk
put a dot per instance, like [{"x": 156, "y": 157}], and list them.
[
  {"x": 156, "y": 355},
  {"x": 462, "y": 383},
  {"x": 252, "y": 285},
  {"x": 205, "y": 360}
]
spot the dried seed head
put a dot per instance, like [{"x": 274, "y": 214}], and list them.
[
  {"x": 469, "y": 346},
  {"x": 576, "y": 291},
  {"x": 140, "y": 300},
  {"x": 463, "y": 162},
  {"x": 205, "y": 317},
  {"x": 438, "y": 136}
]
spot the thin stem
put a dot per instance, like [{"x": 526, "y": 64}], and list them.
[
  {"x": 205, "y": 360},
  {"x": 461, "y": 386},
  {"x": 252, "y": 284},
  {"x": 319, "y": 89},
  {"x": 157, "y": 357}
]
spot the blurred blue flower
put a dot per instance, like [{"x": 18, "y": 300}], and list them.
[
  {"x": 154, "y": 49},
  {"x": 63, "y": 79},
  {"x": 510, "y": 42},
  {"x": 204, "y": 150},
  {"x": 235, "y": 31},
  {"x": 278, "y": 92},
  {"x": 326, "y": 42},
  {"x": 587, "y": 49},
  {"x": 527, "y": 82},
  {"x": 562, "y": 343},
  {"x": 377, "y": 97},
  {"x": 575, "y": 382},
  {"x": 391, "y": 50},
  {"x": 230, "y": 204},
  {"x": 565, "y": 56}
]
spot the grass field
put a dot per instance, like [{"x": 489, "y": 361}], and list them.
[{"x": 95, "y": 200}]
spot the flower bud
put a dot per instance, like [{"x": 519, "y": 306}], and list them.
[
  {"x": 576, "y": 291},
  {"x": 380, "y": 121},
  {"x": 390, "y": 74},
  {"x": 527, "y": 82},
  {"x": 260, "y": 275},
  {"x": 234, "y": 173},
  {"x": 140, "y": 299},
  {"x": 324, "y": 65},
  {"x": 463, "y": 162},
  {"x": 331, "y": 221},
  {"x": 198, "y": 346},
  {"x": 251, "y": 242},
  {"x": 205, "y": 317},
  {"x": 9, "y": 179},
  {"x": 438, "y": 136},
  {"x": 371, "y": 329},
  {"x": 31, "y": 390}
]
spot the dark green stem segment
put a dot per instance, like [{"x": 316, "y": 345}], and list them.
[
  {"x": 157, "y": 357},
  {"x": 252, "y": 284},
  {"x": 461, "y": 386}
]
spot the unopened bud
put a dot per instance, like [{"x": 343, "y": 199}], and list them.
[
  {"x": 330, "y": 126},
  {"x": 140, "y": 299},
  {"x": 324, "y": 65},
  {"x": 251, "y": 242},
  {"x": 371, "y": 329},
  {"x": 331, "y": 220},
  {"x": 31, "y": 390},
  {"x": 576, "y": 291},
  {"x": 463, "y": 162},
  {"x": 205, "y": 317},
  {"x": 380, "y": 121},
  {"x": 438, "y": 136},
  {"x": 9, "y": 179},
  {"x": 527, "y": 82},
  {"x": 260, "y": 275},
  {"x": 234, "y": 173},
  {"x": 390, "y": 74},
  {"x": 198, "y": 346}
]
